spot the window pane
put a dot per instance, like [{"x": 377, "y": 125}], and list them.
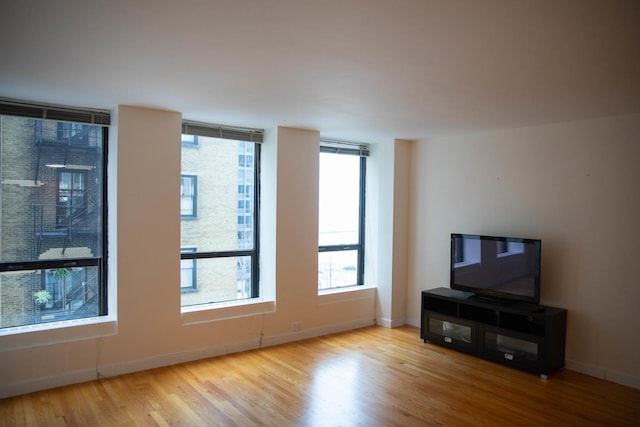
[
  {"x": 187, "y": 274},
  {"x": 65, "y": 181},
  {"x": 337, "y": 269},
  {"x": 221, "y": 188},
  {"x": 49, "y": 210},
  {"x": 78, "y": 181},
  {"x": 339, "y": 199},
  {"x": 219, "y": 279},
  {"x": 188, "y": 195},
  {"x": 40, "y": 296},
  {"x": 190, "y": 139}
]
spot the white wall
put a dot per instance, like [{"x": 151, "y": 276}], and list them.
[
  {"x": 387, "y": 214},
  {"x": 149, "y": 329},
  {"x": 573, "y": 185}
]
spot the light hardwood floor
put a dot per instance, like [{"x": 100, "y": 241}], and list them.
[{"x": 367, "y": 377}]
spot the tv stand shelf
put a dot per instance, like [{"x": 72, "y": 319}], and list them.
[{"x": 526, "y": 336}]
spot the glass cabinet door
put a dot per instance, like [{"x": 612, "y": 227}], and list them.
[
  {"x": 451, "y": 332},
  {"x": 511, "y": 348}
]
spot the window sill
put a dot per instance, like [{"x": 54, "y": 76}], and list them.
[
  {"x": 328, "y": 296},
  {"x": 56, "y": 332},
  {"x": 226, "y": 310}
]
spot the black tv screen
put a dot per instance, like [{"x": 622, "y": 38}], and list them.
[{"x": 506, "y": 268}]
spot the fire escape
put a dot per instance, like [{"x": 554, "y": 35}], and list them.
[{"x": 67, "y": 206}]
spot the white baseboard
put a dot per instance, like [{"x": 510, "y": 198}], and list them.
[
  {"x": 36, "y": 384},
  {"x": 114, "y": 369},
  {"x": 583, "y": 368},
  {"x": 603, "y": 373},
  {"x": 228, "y": 348},
  {"x": 109, "y": 370},
  {"x": 414, "y": 322},
  {"x": 44, "y": 383},
  {"x": 316, "y": 332},
  {"x": 391, "y": 323}
]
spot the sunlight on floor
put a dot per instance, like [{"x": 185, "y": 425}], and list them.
[{"x": 333, "y": 397}]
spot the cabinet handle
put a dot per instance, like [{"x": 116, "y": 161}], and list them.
[
  {"x": 508, "y": 356},
  {"x": 447, "y": 339}
]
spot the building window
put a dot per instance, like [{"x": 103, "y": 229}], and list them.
[
  {"x": 341, "y": 217},
  {"x": 72, "y": 198},
  {"x": 188, "y": 196},
  {"x": 53, "y": 215},
  {"x": 246, "y": 160},
  {"x": 189, "y": 140},
  {"x": 188, "y": 272},
  {"x": 225, "y": 232}
]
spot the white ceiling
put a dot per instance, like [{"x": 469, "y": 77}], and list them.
[{"x": 365, "y": 70}]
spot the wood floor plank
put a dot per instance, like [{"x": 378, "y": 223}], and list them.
[{"x": 368, "y": 377}]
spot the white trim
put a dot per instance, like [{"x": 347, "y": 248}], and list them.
[
  {"x": 56, "y": 332},
  {"x": 583, "y": 368},
  {"x": 44, "y": 383},
  {"x": 127, "y": 367},
  {"x": 228, "y": 348},
  {"x": 603, "y": 373},
  {"x": 391, "y": 323},
  {"x": 623, "y": 378},
  {"x": 351, "y": 293},
  {"x": 317, "y": 332},
  {"x": 228, "y": 310}
]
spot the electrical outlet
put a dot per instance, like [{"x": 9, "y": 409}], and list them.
[{"x": 296, "y": 326}]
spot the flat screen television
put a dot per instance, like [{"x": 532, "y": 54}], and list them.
[{"x": 500, "y": 268}]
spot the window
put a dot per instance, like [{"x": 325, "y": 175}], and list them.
[
  {"x": 187, "y": 272},
  {"x": 189, "y": 140},
  {"x": 71, "y": 198},
  {"x": 224, "y": 267},
  {"x": 246, "y": 160},
  {"x": 188, "y": 196},
  {"x": 53, "y": 213},
  {"x": 341, "y": 215},
  {"x": 506, "y": 248}
]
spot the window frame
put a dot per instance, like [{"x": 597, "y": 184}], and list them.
[
  {"x": 73, "y": 116},
  {"x": 362, "y": 151}
]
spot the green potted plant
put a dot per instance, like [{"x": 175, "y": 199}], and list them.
[
  {"x": 41, "y": 297},
  {"x": 60, "y": 273}
]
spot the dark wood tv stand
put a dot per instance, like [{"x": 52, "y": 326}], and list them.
[{"x": 525, "y": 336}]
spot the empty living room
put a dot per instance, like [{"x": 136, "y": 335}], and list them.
[{"x": 320, "y": 213}]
